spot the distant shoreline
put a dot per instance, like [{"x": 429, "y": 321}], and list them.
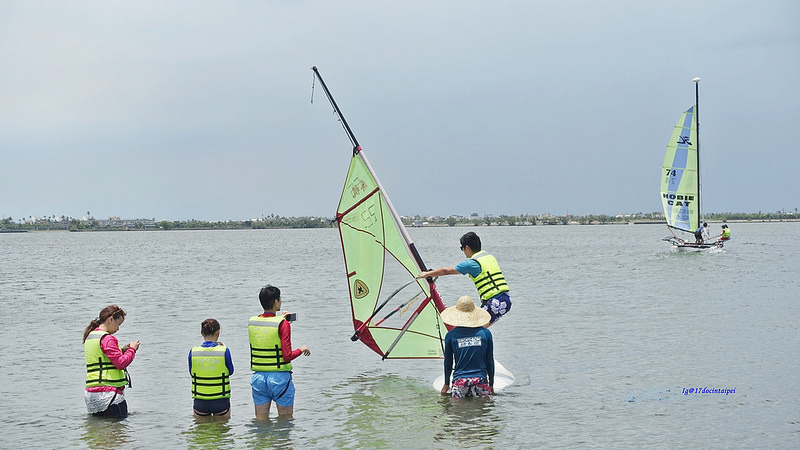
[{"x": 239, "y": 226}]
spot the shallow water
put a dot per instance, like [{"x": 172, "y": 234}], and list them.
[{"x": 608, "y": 329}]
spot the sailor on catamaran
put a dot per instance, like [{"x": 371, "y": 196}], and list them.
[
  {"x": 700, "y": 234},
  {"x": 726, "y": 233},
  {"x": 484, "y": 271}
]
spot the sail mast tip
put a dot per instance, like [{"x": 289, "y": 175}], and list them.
[{"x": 696, "y": 79}]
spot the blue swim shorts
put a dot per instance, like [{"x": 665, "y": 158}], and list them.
[
  {"x": 497, "y": 306},
  {"x": 272, "y": 387}
]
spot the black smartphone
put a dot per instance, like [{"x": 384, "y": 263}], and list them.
[{"x": 291, "y": 317}]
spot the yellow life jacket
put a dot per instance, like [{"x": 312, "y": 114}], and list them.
[
  {"x": 266, "y": 354},
  {"x": 726, "y": 233},
  {"x": 211, "y": 378},
  {"x": 491, "y": 281},
  {"x": 100, "y": 371}
]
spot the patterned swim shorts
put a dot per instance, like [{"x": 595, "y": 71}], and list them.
[
  {"x": 497, "y": 306},
  {"x": 470, "y": 387}
]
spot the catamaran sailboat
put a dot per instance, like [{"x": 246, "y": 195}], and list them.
[{"x": 680, "y": 183}]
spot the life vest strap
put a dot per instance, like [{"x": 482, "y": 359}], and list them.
[
  {"x": 222, "y": 380},
  {"x": 102, "y": 367},
  {"x": 271, "y": 353}
]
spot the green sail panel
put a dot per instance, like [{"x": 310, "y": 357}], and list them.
[
  {"x": 679, "y": 183},
  {"x": 379, "y": 260}
]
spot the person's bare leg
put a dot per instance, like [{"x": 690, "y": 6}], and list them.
[
  {"x": 285, "y": 411},
  {"x": 262, "y": 411},
  {"x": 202, "y": 417}
]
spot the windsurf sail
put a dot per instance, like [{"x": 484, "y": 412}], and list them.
[
  {"x": 394, "y": 314},
  {"x": 680, "y": 183}
]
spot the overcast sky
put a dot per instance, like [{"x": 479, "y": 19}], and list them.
[{"x": 202, "y": 110}]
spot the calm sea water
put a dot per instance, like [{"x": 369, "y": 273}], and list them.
[{"x": 609, "y": 332}]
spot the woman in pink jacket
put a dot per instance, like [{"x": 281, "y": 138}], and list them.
[{"x": 106, "y": 362}]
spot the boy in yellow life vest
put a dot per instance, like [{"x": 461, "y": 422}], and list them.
[
  {"x": 271, "y": 355},
  {"x": 484, "y": 271},
  {"x": 211, "y": 368}
]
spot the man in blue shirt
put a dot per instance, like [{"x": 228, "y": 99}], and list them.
[{"x": 468, "y": 351}]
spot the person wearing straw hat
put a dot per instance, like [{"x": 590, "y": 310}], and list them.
[{"x": 468, "y": 351}]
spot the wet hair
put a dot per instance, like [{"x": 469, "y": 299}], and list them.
[
  {"x": 109, "y": 311},
  {"x": 209, "y": 327},
  {"x": 268, "y": 295},
  {"x": 472, "y": 240}
]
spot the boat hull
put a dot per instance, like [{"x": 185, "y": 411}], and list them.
[{"x": 695, "y": 247}]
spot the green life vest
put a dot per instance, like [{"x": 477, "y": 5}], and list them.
[
  {"x": 100, "y": 371},
  {"x": 491, "y": 281},
  {"x": 266, "y": 354},
  {"x": 211, "y": 378},
  {"x": 726, "y": 233}
]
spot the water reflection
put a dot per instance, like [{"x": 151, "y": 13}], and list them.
[
  {"x": 272, "y": 433},
  {"x": 379, "y": 410},
  {"x": 99, "y": 432},
  {"x": 469, "y": 421},
  {"x": 210, "y": 432}
]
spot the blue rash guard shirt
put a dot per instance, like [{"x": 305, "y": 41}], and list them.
[
  {"x": 473, "y": 351},
  {"x": 469, "y": 267}
]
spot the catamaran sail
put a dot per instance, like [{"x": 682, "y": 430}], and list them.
[
  {"x": 680, "y": 179},
  {"x": 680, "y": 194},
  {"x": 394, "y": 314}
]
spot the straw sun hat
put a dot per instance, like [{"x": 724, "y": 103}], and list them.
[{"x": 465, "y": 314}]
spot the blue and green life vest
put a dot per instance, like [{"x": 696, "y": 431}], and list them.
[
  {"x": 491, "y": 281},
  {"x": 266, "y": 354},
  {"x": 211, "y": 378},
  {"x": 100, "y": 371}
]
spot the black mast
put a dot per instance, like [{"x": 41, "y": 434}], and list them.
[
  {"x": 696, "y": 81},
  {"x": 337, "y": 111}
]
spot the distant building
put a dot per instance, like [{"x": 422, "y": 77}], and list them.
[{"x": 116, "y": 222}]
